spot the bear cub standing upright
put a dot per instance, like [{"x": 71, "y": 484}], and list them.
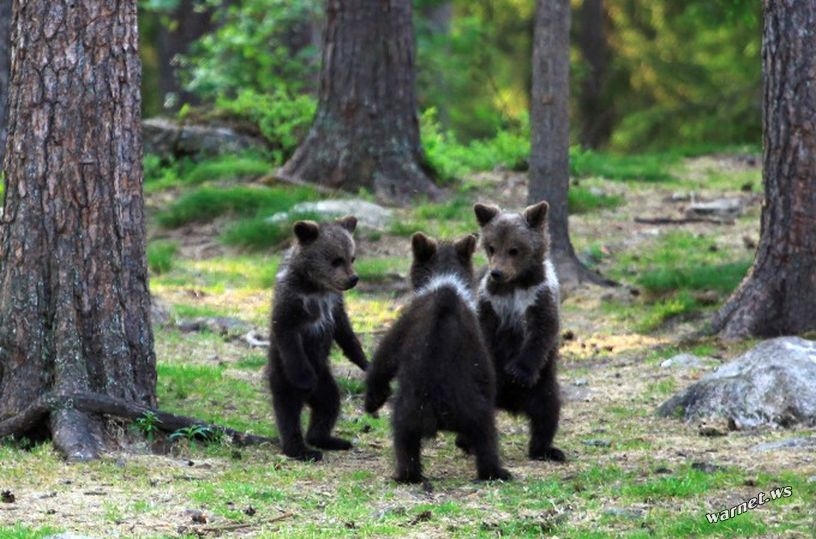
[
  {"x": 307, "y": 315},
  {"x": 436, "y": 351},
  {"x": 519, "y": 314}
]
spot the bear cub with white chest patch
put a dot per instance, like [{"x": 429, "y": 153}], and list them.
[
  {"x": 436, "y": 351},
  {"x": 519, "y": 314},
  {"x": 308, "y": 314}
]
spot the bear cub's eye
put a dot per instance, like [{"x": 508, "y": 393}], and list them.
[
  {"x": 490, "y": 250},
  {"x": 337, "y": 262},
  {"x": 513, "y": 251}
]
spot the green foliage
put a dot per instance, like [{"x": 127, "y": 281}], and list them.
[
  {"x": 148, "y": 425},
  {"x": 282, "y": 117},
  {"x": 160, "y": 256},
  {"x": 249, "y": 50},
  {"x": 192, "y": 433},
  {"x": 207, "y": 203},
  {"x": 451, "y": 159},
  {"x": 683, "y": 73}
]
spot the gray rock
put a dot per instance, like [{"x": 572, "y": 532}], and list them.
[
  {"x": 723, "y": 208},
  {"x": 368, "y": 214},
  {"x": 808, "y": 443},
  {"x": 685, "y": 361},
  {"x": 169, "y": 138},
  {"x": 770, "y": 385}
]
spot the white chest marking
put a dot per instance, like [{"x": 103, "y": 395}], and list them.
[
  {"x": 323, "y": 305},
  {"x": 512, "y": 308}
]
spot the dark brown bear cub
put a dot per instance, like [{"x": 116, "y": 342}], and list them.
[
  {"x": 307, "y": 315},
  {"x": 436, "y": 351},
  {"x": 518, "y": 311}
]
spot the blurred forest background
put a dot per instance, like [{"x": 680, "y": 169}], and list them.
[{"x": 645, "y": 76}]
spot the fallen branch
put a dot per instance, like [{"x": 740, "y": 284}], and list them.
[
  {"x": 97, "y": 403},
  {"x": 681, "y": 221}
]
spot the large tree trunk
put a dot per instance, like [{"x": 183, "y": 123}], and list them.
[
  {"x": 74, "y": 303},
  {"x": 549, "y": 153},
  {"x": 366, "y": 132},
  {"x": 595, "y": 114},
  {"x": 5, "y": 69},
  {"x": 778, "y": 296}
]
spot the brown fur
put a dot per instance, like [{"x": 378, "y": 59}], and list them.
[
  {"x": 435, "y": 349},
  {"x": 308, "y": 314},
  {"x": 519, "y": 315}
]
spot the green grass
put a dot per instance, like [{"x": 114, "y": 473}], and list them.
[
  {"x": 582, "y": 200},
  {"x": 160, "y": 255},
  {"x": 256, "y": 234},
  {"x": 188, "y": 172},
  {"x": 206, "y": 203},
  {"x": 648, "y": 168},
  {"x": 680, "y": 274}
]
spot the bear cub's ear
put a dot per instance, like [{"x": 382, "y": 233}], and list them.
[
  {"x": 423, "y": 247},
  {"x": 349, "y": 222},
  {"x": 536, "y": 215},
  {"x": 306, "y": 231},
  {"x": 485, "y": 213},
  {"x": 466, "y": 246}
]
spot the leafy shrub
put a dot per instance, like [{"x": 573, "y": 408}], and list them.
[
  {"x": 282, "y": 117},
  {"x": 451, "y": 160}
]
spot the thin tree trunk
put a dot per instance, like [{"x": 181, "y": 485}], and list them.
[
  {"x": 74, "y": 303},
  {"x": 549, "y": 157},
  {"x": 778, "y": 296},
  {"x": 596, "y": 125},
  {"x": 366, "y": 132},
  {"x": 188, "y": 24}
]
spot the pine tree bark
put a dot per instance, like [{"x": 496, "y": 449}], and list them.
[
  {"x": 549, "y": 149},
  {"x": 74, "y": 303},
  {"x": 366, "y": 132},
  {"x": 778, "y": 296},
  {"x": 5, "y": 69}
]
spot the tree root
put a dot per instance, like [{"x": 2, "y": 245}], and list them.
[{"x": 96, "y": 403}]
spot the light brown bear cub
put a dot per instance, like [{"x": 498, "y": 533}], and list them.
[
  {"x": 519, "y": 314},
  {"x": 307, "y": 315},
  {"x": 436, "y": 351}
]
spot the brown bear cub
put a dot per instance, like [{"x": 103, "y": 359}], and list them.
[
  {"x": 436, "y": 351},
  {"x": 518, "y": 309},
  {"x": 307, "y": 315}
]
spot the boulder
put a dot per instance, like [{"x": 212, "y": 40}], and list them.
[
  {"x": 171, "y": 138},
  {"x": 770, "y": 385},
  {"x": 368, "y": 214}
]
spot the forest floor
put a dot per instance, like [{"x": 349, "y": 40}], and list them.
[{"x": 629, "y": 472}]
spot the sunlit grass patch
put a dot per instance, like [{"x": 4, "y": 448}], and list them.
[{"x": 19, "y": 531}]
